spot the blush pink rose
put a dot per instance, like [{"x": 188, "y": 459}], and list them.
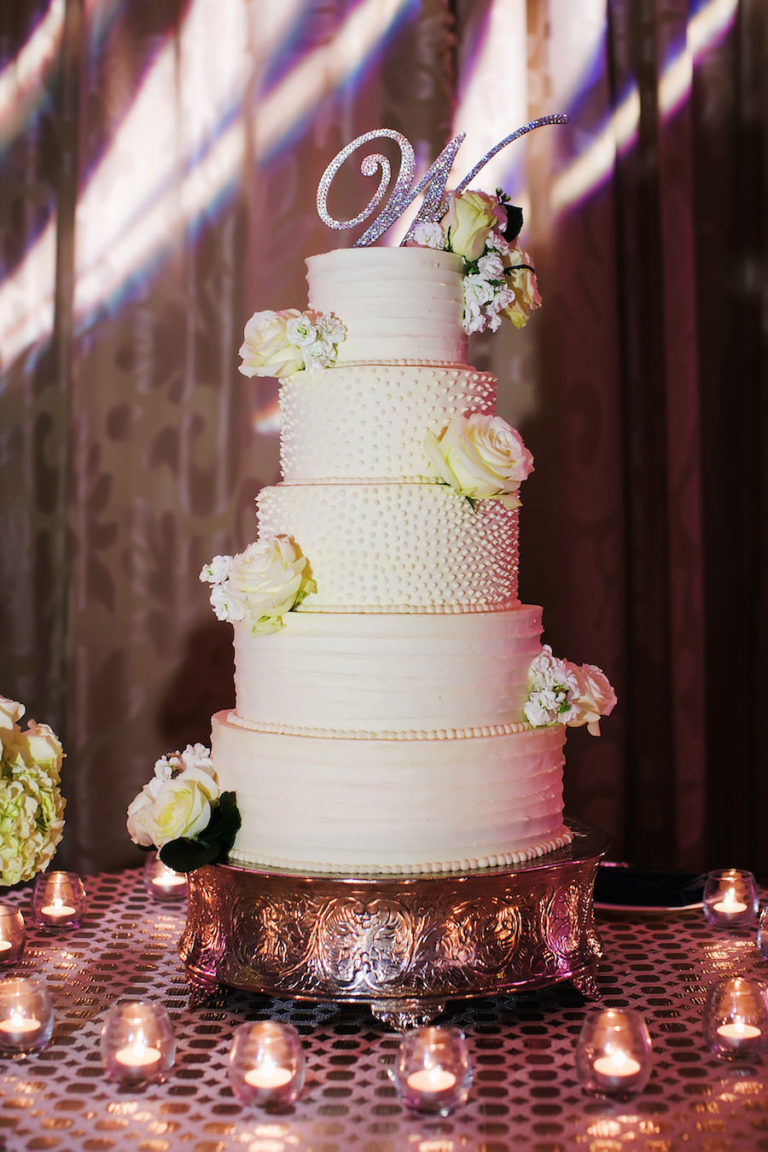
[{"x": 592, "y": 698}]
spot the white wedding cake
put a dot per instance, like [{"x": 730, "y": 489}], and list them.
[{"x": 395, "y": 710}]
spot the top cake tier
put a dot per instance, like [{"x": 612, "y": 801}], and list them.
[{"x": 396, "y": 303}]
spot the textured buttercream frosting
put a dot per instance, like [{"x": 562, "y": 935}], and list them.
[
  {"x": 335, "y": 804},
  {"x": 388, "y": 675},
  {"x": 396, "y": 303}
]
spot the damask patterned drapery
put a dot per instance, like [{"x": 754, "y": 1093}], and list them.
[{"x": 160, "y": 163}]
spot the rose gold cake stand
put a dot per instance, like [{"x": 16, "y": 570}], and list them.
[{"x": 405, "y": 945}]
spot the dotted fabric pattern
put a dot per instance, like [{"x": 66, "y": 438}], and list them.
[{"x": 525, "y": 1094}]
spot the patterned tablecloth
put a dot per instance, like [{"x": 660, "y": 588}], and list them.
[{"x": 525, "y": 1094}]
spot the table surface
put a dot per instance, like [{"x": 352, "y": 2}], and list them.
[{"x": 525, "y": 1092}]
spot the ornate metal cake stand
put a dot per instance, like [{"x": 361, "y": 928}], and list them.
[{"x": 405, "y": 945}]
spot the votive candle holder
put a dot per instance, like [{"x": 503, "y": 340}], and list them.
[
  {"x": 26, "y": 1015},
  {"x": 267, "y": 1065},
  {"x": 736, "y": 1019},
  {"x": 730, "y": 898},
  {"x": 12, "y": 936},
  {"x": 614, "y": 1052},
  {"x": 162, "y": 883},
  {"x": 433, "y": 1070},
  {"x": 762, "y": 933},
  {"x": 59, "y": 901},
  {"x": 137, "y": 1042}
]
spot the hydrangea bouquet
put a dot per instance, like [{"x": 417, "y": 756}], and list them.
[
  {"x": 182, "y": 812},
  {"x": 31, "y": 805},
  {"x": 499, "y": 280}
]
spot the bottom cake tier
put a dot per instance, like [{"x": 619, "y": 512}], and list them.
[{"x": 341, "y": 803}]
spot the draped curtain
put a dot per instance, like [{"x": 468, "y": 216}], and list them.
[{"x": 160, "y": 162}]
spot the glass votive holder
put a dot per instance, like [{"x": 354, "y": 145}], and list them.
[
  {"x": 137, "y": 1042},
  {"x": 736, "y": 1019},
  {"x": 433, "y": 1071},
  {"x": 730, "y": 898},
  {"x": 26, "y": 1015},
  {"x": 266, "y": 1064},
  {"x": 162, "y": 882},
  {"x": 762, "y": 933},
  {"x": 613, "y": 1052},
  {"x": 12, "y": 936},
  {"x": 58, "y": 900}
]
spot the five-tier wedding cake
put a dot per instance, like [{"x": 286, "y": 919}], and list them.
[{"x": 395, "y": 709}]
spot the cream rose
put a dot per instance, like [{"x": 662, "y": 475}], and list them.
[
  {"x": 592, "y": 697},
  {"x": 470, "y": 219},
  {"x": 480, "y": 456},
  {"x": 267, "y": 349},
  {"x": 522, "y": 283},
  {"x": 10, "y": 713},
  {"x": 169, "y": 809},
  {"x": 271, "y": 576}
]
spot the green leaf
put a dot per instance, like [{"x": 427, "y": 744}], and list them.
[{"x": 212, "y": 845}]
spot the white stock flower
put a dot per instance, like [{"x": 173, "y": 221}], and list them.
[
  {"x": 217, "y": 570},
  {"x": 428, "y": 234},
  {"x": 301, "y": 331}
]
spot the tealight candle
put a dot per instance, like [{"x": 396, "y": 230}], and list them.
[
  {"x": 736, "y": 1019},
  {"x": 433, "y": 1072},
  {"x": 730, "y": 898},
  {"x": 26, "y": 1014},
  {"x": 266, "y": 1064},
  {"x": 12, "y": 936},
  {"x": 58, "y": 900},
  {"x": 137, "y": 1042},
  {"x": 613, "y": 1053},
  {"x": 161, "y": 882}
]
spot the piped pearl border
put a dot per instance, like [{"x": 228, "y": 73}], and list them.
[
  {"x": 484, "y": 731},
  {"x": 497, "y": 860}
]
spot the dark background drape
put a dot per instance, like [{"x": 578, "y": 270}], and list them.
[{"x": 160, "y": 161}]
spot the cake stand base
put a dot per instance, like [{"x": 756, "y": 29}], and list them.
[{"x": 405, "y": 945}]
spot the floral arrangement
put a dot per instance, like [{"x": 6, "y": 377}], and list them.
[
  {"x": 565, "y": 693},
  {"x": 271, "y": 577},
  {"x": 499, "y": 280},
  {"x": 281, "y": 343},
  {"x": 482, "y": 457},
  {"x": 182, "y": 812},
  {"x": 31, "y": 805}
]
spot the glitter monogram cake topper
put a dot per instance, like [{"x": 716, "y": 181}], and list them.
[{"x": 404, "y": 192}]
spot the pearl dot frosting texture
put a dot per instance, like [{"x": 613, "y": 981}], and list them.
[
  {"x": 397, "y": 547},
  {"x": 362, "y": 422}
]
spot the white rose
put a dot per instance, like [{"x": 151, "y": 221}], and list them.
[
  {"x": 270, "y": 576},
  {"x": 592, "y": 698},
  {"x": 44, "y": 748},
  {"x": 10, "y": 713},
  {"x": 480, "y": 456},
  {"x": 166, "y": 810},
  {"x": 267, "y": 350},
  {"x": 469, "y": 221}
]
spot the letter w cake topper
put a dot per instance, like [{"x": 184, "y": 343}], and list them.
[{"x": 432, "y": 183}]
